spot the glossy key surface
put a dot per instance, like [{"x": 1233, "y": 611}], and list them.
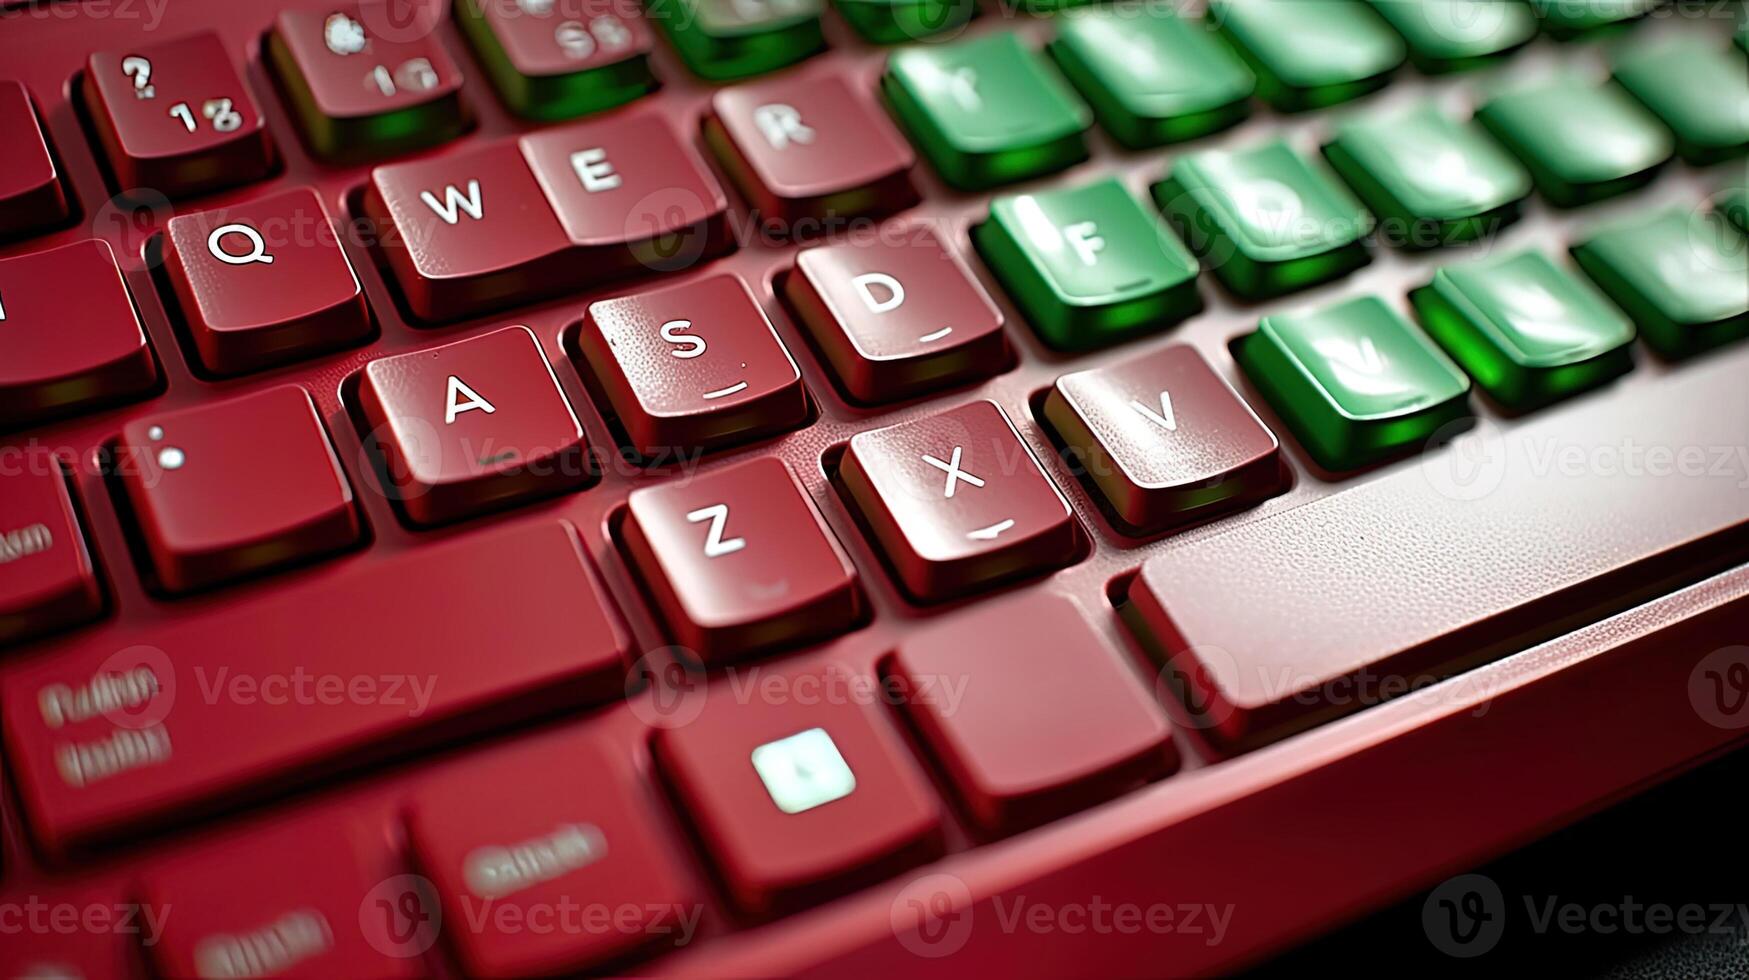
[
  {"x": 1696, "y": 87},
  {"x": 811, "y": 146},
  {"x": 368, "y": 80},
  {"x": 1309, "y": 55},
  {"x": 1456, "y": 35},
  {"x": 987, "y": 111},
  {"x": 544, "y": 824},
  {"x": 183, "y": 472},
  {"x": 1150, "y": 75},
  {"x": 898, "y": 21},
  {"x": 1429, "y": 179},
  {"x": 896, "y": 318},
  {"x": 450, "y": 639},
  {"x": 1682, "y": 275},
  {"x": 691, "y": 368},
  {"x": 176, "y": 118},
  {"x": 740, "y": 561},
  {"x": 722, "y": 40},
  {"x": 998, "y": 732},
  {"x": 263, "y": 283},
  {"x": 1089, "y": 265},
  {"x": 632, "y": 196},
  {"x": 1164, "y": 438},
  {"x": 473, "y": 426},
  {"x": 1581, "y": 141},
  {"x": 1526, "y": 329},
  {"x": 1263, "y": 219},
  {"x": 33, "y": 195},
  {"x": 799, "y": 799},
  {"x": 956, "y": 502},
  {"x": 48, "y": 575},
  {"x": 70, "y": 340},
  {"x": 1570, "y": 18},
  {"x": 467, "y": 232},
  {"x": 82, "y": 953},
  {"x": 1354, "y": 380},
  {"x": 557, "y": 60}
]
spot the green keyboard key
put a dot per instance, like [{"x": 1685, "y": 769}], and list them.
[
  {"x": 897, "y": 21},
  {"x": 1151, "y": 76},
  {"x": 1682, "y": 275},
  {"x": 727, "y": 39},
  {"x": 1263, "y": 219},
  {"x": 1310, "y": 53},
  {"x": 1582, "y": 141},
  {"x": 1526, "y": 329},
  {"x": 577, "y": 68},
  {"x": 1568, "y": 18},
  {"x": 1699, "y": 89},
  {"x": 1088, "y": 265},
  {"x": 988, "y": 111},
  {"x": 1457, "y": 35},
  {"x": 1431, "y": 180},
  {"x": 1355, "y": 381}
]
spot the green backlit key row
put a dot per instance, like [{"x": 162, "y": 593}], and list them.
[
  {"x": 1357, "y": 382},
  {"x": 991, "y": 110}
]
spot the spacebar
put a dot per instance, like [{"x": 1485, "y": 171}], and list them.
[
  {"x": 142, "y": 727},
  {"x": 1485, "y": 547}
]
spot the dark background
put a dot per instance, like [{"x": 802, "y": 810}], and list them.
[{"x": 1685, "y": 842}]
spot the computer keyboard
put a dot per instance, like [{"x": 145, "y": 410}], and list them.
[{"x": 731, "y": 487}]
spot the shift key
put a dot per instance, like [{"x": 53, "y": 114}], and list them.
[
  {"x": 148, "y": 725},
  {"x": 1485, "y": 547}
]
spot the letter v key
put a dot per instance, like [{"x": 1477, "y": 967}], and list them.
[{"x": 1165, "y": 417}]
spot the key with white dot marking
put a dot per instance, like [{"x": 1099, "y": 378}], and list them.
[{"x": 233, "y": 488}]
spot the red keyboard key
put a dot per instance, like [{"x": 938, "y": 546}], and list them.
[
  {"x": 545, "y": 824},
  {"x": 1047, "y": 720},
  {"x": 176, "y": 117},
  {"x": 69, "y": 338},
  {"x": 438, "y": 643},
  {"x": 366, "y": 80},
  {"x": 738, "y": 560},
  {"x": 185, "y": 474},
  {"x": 32, "y": 195},
  {"x": 557, "y": 59},
  {"x": 897, "y": 317},
  {"x": 264, "y": 283},
  {"x": 631, "y": 196},
  {"x": 470, "y": 231},
  {"x": 958, "y": 502},
  {"x": 106, "y": 948},
  {"x": 48, "y": 580},
  {"x": 797, "y": 799},
  {"x": 1165, "y": 439},
  {"x": 692, "y": 367},
  {"x": 316, "y": 897},
  {"x": 472, "y": 426},
  {"x": 810, "y": 146}
]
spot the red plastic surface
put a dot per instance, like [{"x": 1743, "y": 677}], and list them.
[{"x": 1523, "y": 744}]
